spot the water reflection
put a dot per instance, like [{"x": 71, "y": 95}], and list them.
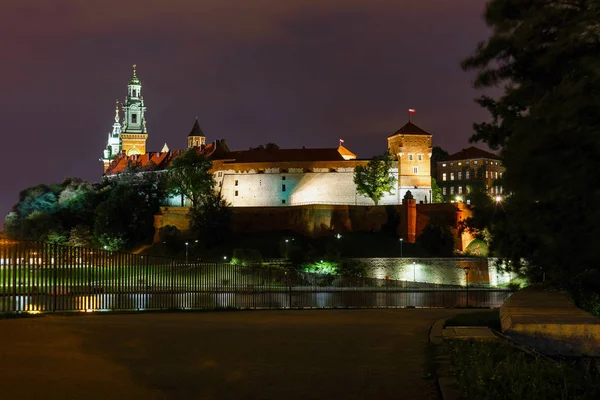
[{"x": 258, "y": 300}]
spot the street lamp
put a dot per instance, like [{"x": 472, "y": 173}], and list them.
[
  {"x": 186, "y": 251},
  {"x": 401, "y": 241},
  {"x": 414, "y": 271},
  {"x": 498, "y": 199},
  {"x": 467, "y": 269},
  {"x": 287, "y": 250}
]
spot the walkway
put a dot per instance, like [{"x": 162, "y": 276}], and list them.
[{"x": 320, "y": 354}]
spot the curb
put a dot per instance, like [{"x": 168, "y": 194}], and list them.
[{"x": 444, "y": 377}]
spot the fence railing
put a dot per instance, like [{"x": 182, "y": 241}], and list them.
[{"x": 41, "y": 277}]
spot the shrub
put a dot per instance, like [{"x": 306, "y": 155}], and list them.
[{"x": 246, "y": 257}]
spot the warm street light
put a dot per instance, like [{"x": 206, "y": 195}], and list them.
[
  {"x": 467, "y": 269},
  {"x": 498, "y": 199},
  {"x": 458, "y": 199},
  {"x": 186, "y": 251},
  {"x": 414, "y": 271},
  {"x": 401, "y": 241}
]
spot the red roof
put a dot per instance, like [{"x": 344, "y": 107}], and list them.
[
  {"x": 470, "y": 153},
  {"x": 410, "y": 129},
  {"x": 282, "y": 155},
  {"x": 219, "y": 151}
]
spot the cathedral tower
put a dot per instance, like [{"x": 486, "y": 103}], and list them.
[
  {"x": 113, "y": 145},
  {"x": 196, "y": 137},
  {"x": 134, "y": 132}
]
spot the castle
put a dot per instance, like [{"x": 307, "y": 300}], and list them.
[{"x": 273, "y": 177}]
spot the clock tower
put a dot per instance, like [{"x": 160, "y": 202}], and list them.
[{"x": 133, "y": 132}]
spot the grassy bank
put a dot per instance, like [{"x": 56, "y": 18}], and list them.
[
  {"x": 491, "y": 319},
  {"x": 495, "y": 370}
]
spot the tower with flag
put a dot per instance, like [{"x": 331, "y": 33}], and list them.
[{"x": 411, "y": 146}]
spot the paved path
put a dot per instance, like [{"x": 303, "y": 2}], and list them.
[{"x": 321, "y": 354}]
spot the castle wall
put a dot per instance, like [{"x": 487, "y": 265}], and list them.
[
  {"x": 274, "y": 189},
  {"x": 322, "y": 220}
]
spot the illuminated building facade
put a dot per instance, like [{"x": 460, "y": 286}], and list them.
[{"x": 458, "y": 172}]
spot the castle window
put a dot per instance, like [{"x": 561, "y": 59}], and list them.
[
  {"x": 460, "y": 190},
  {"x": 236, "y": 192},
  {"x": 451, "y": 176},
  {"x": 459, "y": 175},
  {"x": 219, "y": 174},
  {"x": 420, "y": 157},
  {"x": 134, "y": 118},
  {"x": 451, "y": 189},
  {"x": 415, "y": 170},
  {"x": 410, "y": 157},
  {"x": 283, "y": 201},
  {"x": 236, "y": 183},
  {"x": 487, "y": 174},
  {"x": 444, "y": 190},
  {"x": 443, "y": 165},
  {"x": 496, "y": 174},
  {"x": 283, "y": 178},
  {"x": 283, "y": 188},
  {"x": 452, "y": 164},
  {"x": 459, "y": 163},
  {"x": 467, "y": 174},
  {"x": 444, "y": 176}
]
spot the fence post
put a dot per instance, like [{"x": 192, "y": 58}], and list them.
[
  {"x": 54, "y": 277},
  {"x": 290, "y": 287}
]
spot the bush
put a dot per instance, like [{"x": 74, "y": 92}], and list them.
[
  {"x": 437, "y": 239},
  {"x": 246, "y": 257},
  {"x": 170, "y": 236}
]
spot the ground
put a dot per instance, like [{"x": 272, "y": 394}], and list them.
[{"x": 317, "y": 354}]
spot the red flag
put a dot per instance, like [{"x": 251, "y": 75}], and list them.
[
  {"x": 341, "y": 142},
  {"x": 411, "y": 111}
]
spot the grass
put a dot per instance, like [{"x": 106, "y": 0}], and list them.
[
  {"x": 491, "y": 319},
  {"x": 496, "y": 370}
]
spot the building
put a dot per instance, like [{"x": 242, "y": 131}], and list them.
[
  {"x": 459, "y": 172},
  {"x": 267, "y": 177},
  {"x": 129, "y": 135}
]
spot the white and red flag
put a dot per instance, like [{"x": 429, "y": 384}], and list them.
[
  {"x": 341, "y": 142},
  {"x": 411, "y": 111}
]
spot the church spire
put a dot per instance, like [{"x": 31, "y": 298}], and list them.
[{"x": 113, "y": 145}]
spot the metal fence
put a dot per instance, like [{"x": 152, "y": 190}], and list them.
[{"x": 41, "y": 277}]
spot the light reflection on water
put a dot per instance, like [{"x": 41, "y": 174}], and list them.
[{"x": 275, "y": 300}]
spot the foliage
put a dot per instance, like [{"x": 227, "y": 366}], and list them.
[
  {"x": 478, "y": 248},
  {"x": 436, "y": 192},
  {"x": 127, "y": 214},
  {"x": 322, "y": 267},
  {"x": 375, "y": 180},
  {"x": 267, "y": 147},
  {"x": 545, "y": 56},
  {"x": 81, "y": 236},
  {"x": 189, "y": 175},
  {"x": 111, "y": 242},
  {"x": 437, "y": 239},
  {"x": 246, "y": 257},
  {"x": 171, "y": 237},
  {"x": 496, "y": 370},
  {"x": 210, "y": 221}
]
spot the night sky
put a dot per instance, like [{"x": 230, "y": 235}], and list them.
[{"x": 297, "y": 73}]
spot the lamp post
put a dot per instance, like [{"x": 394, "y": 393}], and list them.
[
  {"x": 401, "y": 241},
  {"x": 467, "y": 269},
  {"x": 414, "y": 271},
  {"x": 186, "y": 251}
]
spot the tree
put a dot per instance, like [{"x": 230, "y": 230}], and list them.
[
  {"x": 189, "y": 175},
  {"x": 437, "y": 239},
  {"x": 375, "y": 180},
  {"x": 210, "y": 221},
  {"x": 544, "y": 55},
  {"x": 436, "y": 192}
]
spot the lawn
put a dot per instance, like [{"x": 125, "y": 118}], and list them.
[{"x": 496, "y": 370}]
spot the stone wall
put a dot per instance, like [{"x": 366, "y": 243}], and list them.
[
  {"x": 321, "y": 220},
  {"x": 450, "y": 271}
]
